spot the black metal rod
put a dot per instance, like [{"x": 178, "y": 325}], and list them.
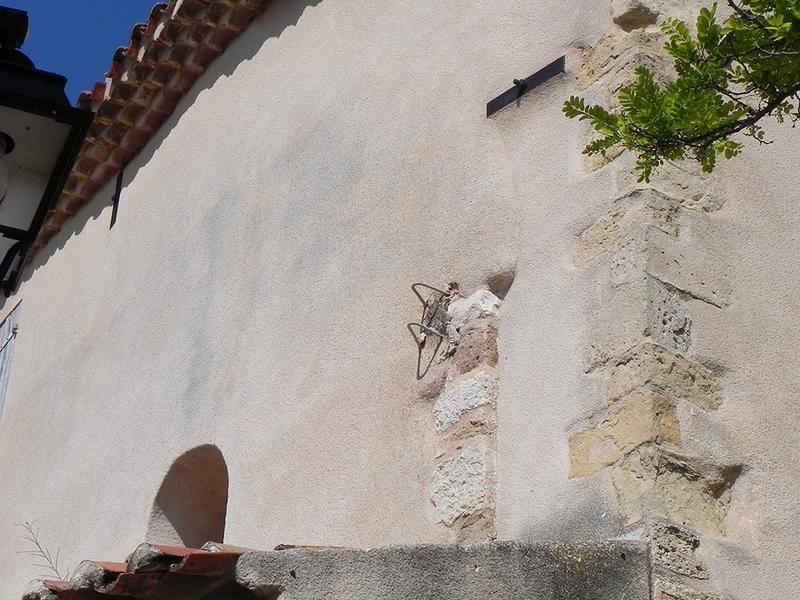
[{"x": 115, "y": 199}]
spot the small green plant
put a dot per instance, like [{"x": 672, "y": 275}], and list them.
[
  {"x": 42, "y": 554},
  {"x": 728, "y": 77}
]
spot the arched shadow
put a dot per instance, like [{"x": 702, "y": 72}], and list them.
[
  {"x": 276, "y": 18},
  {"x": 191, "y": 504}
]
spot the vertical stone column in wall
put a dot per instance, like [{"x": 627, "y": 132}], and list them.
[
  {"x": 640, "y": 337},
  {"x": 464, "y": 418}
]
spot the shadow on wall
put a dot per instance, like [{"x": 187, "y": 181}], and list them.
[
  {"x": 190, "y": 507},
  {"x": 277, "y": 17}
]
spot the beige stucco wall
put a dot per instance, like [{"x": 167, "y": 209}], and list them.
[{"x": 255, "y": 289}]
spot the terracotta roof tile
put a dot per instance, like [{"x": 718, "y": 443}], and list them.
[
  {"x": 164, "y": 58},
  {"x": 150, "y": 571}
]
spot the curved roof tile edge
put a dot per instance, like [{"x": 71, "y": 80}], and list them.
[{"x": 165, "y": 57}]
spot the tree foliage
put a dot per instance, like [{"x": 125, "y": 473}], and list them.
[{"x": 729, "y": 75}]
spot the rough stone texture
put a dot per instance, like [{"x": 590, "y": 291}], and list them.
[
  {"x": 475, "y": 422},
  {"x": 673, "y": 549},
  {"x": 475, "y": 390},
  {"x": 646, "y": 309},
  {"x": 476, "y": 527},
  {"x": 640, "y": 417},
  {"x": 614, "y": 570},
  {"x": 681, "y": 487},
  {"x": 648, "y": 207},
  {"x": 694, "y": 189},
  {"x": 88, "y": 574},
  {"x": 481, "y": 304},
  {"x": 675, "y": 262},
  {"x": 655, "y": 367},
  {"x": 633, "y": 14},
  {"x": 36, "y": 591},
  {"x": 477, "y": 345},
  {"x": 463, "y": 484},
  {"x": 613, "y": 51},
  {"x": 593, "y": 162},
  {"x": 671, "y": 590}
]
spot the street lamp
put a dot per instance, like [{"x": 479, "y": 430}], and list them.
[{"x": 40, "y": 136}]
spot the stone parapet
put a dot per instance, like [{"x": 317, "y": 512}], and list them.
[{"x": 500, "y": 570}]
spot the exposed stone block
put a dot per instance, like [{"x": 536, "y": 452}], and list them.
[
  {"x": 475, "y": 390},
  {"x": 633, "y": 14},
  {"x": 675, "y": 262},
  {"x": 624, "y": 72},
  {"x": 605, "y": 55},
  {"x": 691, "y": 187},
  {"x": 642, "y": 416},
  {"x": 655, "y": 367},
  {"x": 673, "y": 548},
  {"x": 665, "y": 589},
  {"x": 594, "y": 162},
  {"x": 635, "y": 312},
  {"x": 477, "y": 345},
  {"x": 462, "y": 485},
  {"x": 681, "y": 487},
  {"x": 481, "y": 304},
  {"x": 644, "y": 207},
  {"x": 481, "y": 421},
  {"x": 476, "y": 527}
]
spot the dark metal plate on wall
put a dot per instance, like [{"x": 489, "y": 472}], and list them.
[{"x": 523, "y": 86}]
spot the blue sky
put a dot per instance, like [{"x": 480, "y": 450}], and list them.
[{"x": 77, "y": 38}]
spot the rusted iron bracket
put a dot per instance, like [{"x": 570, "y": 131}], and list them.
[{"x": 433, "y": 322}]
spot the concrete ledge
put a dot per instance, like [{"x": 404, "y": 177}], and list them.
[{"x": 613, "y": 570}]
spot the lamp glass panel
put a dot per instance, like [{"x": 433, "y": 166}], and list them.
[{"x": 38, "y": 143}]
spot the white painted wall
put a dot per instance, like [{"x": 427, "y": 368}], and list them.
[{"x": 255, "y": 289}]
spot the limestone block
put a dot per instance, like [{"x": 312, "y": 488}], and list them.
[
  {"x": 462, "y": 484},
  {"x": 476, "y": 390},
  {"x": 656, "y": 368},
  {"x": 649, "y": 250},
  {"x": 681, "y": 487},
  {"x": 644, "y": 207},
  {"x": 592, "y": 163},
  {"x": 476, "y": 527},
  {"x": 642, "y": 416},
  {"x": 685, "y": 182},
  {"x": 477, "y": 345},
  {"x": 673, "y": 548},
  {"x": 633, "y": 14},
  {"x": 605, "y": 55},
  {"x": 635, "y": 312},
  {"x": 624, "y": 72},
  {"x": 481, "y": 421},
  {"x": 481, "y": 304},
  {"x": 671, "y": 590}
]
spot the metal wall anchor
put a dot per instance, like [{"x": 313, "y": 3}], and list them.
[{"x": 433, "y": 322}]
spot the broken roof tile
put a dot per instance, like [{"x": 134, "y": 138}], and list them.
[{"x": 151, "y": 571}]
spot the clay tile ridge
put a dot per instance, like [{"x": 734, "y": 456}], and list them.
[
  {"x": 150, "y": 571},
  {"x": 147, "y": 79}
]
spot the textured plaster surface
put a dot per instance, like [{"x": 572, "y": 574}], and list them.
[{"x": 254, "y": 289}]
